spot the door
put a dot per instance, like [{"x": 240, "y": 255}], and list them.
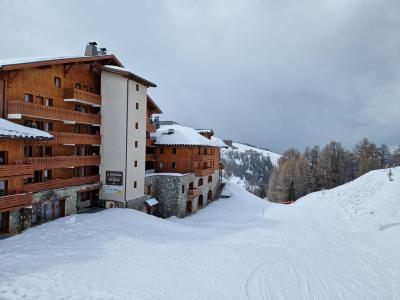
[{"x": 4, "y": 222}]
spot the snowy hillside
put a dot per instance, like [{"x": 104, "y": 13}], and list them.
[
  {"x": 249, "y": 167},
  {"x": 337, "y": 244}
]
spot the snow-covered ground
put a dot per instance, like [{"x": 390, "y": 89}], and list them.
[
  {"x": 274, "y": 157},
  {"x": 337, "y": 244}
]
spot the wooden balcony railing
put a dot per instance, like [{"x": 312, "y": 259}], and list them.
[
  {"x": 50, "y": 112},
  {"x": 53, "y": 162},
  {"x": 60, "y": 183},
  {"x": 16, "y": 170},
  {"x": 74, "y": 138},
  {"x": 202, "y": 157},
  {"x": 204, "y": 172},
  {"x": 150, "y": 157},
  {"x": 82, "y": 96},
  {"x": 15, "y": 201},
  {"x": 194, "y": 193}
]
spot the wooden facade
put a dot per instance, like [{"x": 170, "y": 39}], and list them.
[{"x": 61, "y": 96}]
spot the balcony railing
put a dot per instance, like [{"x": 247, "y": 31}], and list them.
[
  {"x": 68, "y": 138},
  {"x": 53, "y": 162},
  {"x": 16, "y": 170},
  {"x": 15, "y": 201},
  {"x": 60, "y": 183},
  {"x": 81, "y": 96},
  {"x": 194, "y": 193},
  {"x": 204, "y": 172},
  {"x": 201, "y": 157},
  {"x": 16, "y": 108},
  {"x": 150, "y": 157}
]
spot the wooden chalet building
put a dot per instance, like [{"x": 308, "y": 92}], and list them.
[
  {"x": 187, "y": 169},
  {"x": 96, "y": 111},
  {"x": 15, "y": 175}
]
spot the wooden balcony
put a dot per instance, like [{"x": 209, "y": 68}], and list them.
[
  {"x": 81, "y": 96},
  {"x": 54, "y": 162},
  {"x": 60, "y": 183},
  {"x": 202, "y": 157},
  {"x": 16, "y": 109},
  {"x": 150, "y": 157},
  {"x": 16, "y": 170},
  {"x": 204, "y": 172},
  {"x": 193, "y": 193},
  {"x": 15, "y": 201},
  {"x": 67, "y": 138}
]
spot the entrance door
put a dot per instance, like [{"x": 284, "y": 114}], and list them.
[{"x": 4, "y": 222}]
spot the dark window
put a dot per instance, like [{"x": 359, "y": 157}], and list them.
[
  {"x": 173, "y": 165},
  {"x": 28, "y": 151},
  {"x": 37, "y": 175},
  {"x": 48, "y": 151},
  {"x": 137, "y": 87},
  {"x": 3, "y": 187},
  {"x": 48, "y": 126},
  {"x": 47, "y": 174},
  {"x": 135, "y": 163},
  {"x": 173, "y": 150},
  {"x": 135, "y": 184},
  {"x": 191, "y": 186},
  {"x": 48, "y": 102},
  {"x": 137, "y": 105},
  {"x": 137, "y": 125},
  {"x": 161, "y": 150},
  {"x": 136, "y": 144},
  {"x": 200, "y": 182},
  {"x": 57, "y": 82},
  {"x": 200, "y": 201},
  {"x": 28, "y": 98},
  {"x": 189, "y": 206},
  {"x": 39, "y": 125},
  {"x": 210, "y": 178},
  {"x": 78, "y": 86},
  {"x": 183, "y": 188},
  {"x": 3, "y": 157}
]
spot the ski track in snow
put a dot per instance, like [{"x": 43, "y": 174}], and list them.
[{"x": 337, "y": 244}]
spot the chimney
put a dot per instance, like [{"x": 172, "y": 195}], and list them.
[
  {"x": 91, "y": 49},
  {"x": 102, "y": 51}
]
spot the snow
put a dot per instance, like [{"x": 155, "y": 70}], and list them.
[
  {"x": 13, "y": 130},
  {"x": 336, "y": 244},
  {"x": 151, "y": 201},
  {"x": 24, "y": 60},
  {"x": 274, "y": 157},
  {"x": 166, "y": 174},
  {"x": 218, "y": 142},
  {"x": 182, "y": 135}
]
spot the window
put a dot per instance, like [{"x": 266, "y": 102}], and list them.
[
  {"x": 37, "y": 175},
  {"x": 47, "y": 174},
  {"x": 57, "y": 82},
  {"x": 173, "y": 150},
  {"x": 78, "y": 86},
  {"x": 137, "y": 87},
  {"x": 173, "y": 165},
  {"x": 136, "y": 144},
  {"x": 48, "y": 126},
  {"x": 137, "y": 105},
  {"x": 161, "y": 150},
  {"x": 28, "y": 98},
  {"x": 210, "y": 178},
  {"x": 161, "y": 165},
  {"x": 3, "y": 187},
  {"x": 28, "y": 151},
  {"x": 39, "y": 125},
  {"x": 183, "y": 188},
  {"x": 200, "y": 201},
  {"x": 135, "y": 163},
  {"x": 200, "y": 182},
  {"x": 189, "y": 206},
  {"x": 137, "y": 125},
  {"x": 135, "y": 184},
  {"x": 3, "y": 157},
  {"x": 48, "y": 102},
  {"x": 48, "y": 151}
]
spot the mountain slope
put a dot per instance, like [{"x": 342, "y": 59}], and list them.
[
  {"x": 249, "y": 167},
  {"x": 236, "y": 248}
]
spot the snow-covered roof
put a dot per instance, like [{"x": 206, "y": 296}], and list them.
[
  {"x": 219, "y": 142},
  {"x": 12, "y": 131},
  {"x": 181, "y": 135},
  {"x": 205, "y": 131},
  {"x": 151, "y": 201},
  {"x": 128, "y": 73}
]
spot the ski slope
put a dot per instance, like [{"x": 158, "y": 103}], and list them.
[{"x": 337, "y": 244}]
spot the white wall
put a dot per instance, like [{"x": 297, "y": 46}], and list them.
[{"x": 114, "y": 90}]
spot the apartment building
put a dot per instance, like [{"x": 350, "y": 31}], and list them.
[{"x": 96, "y": 111}]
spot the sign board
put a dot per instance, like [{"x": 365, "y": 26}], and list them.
[
  {"x": 114, "y": 189},
  {"x": 114, "y": 178}
]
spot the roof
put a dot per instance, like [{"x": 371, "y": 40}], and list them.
[
  {"x": 153, "y": 107},
  {"x": 10, "y": 130},
  {"x": 220, "y": 143},
  {"x": 181, "y": 136},
  {"x": 128, "y": 74},
  {"x": 151, "y": 201},
  {"x": 30, "y": 62}
]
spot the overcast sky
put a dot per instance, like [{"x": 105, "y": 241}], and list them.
[{"x": 275, "y": 73}]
